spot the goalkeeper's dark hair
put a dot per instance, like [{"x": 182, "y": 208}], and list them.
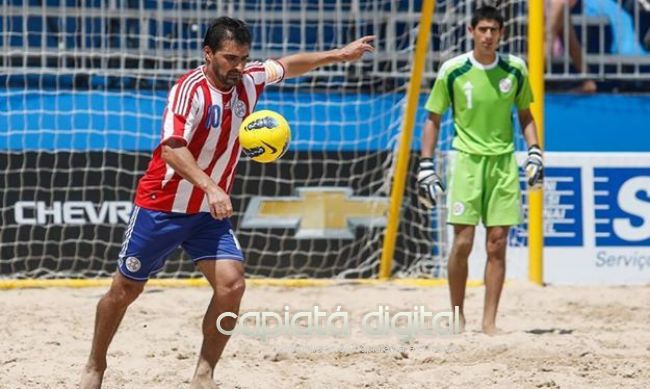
[
  {"x": 225, "y": 28},
  {"x": 487, "y": 12}
]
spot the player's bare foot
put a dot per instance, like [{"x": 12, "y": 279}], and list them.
[
  {"x": 491, "y": 330},
  {"x": 91, "y": 378},
  {"x": 203, "y": 382}
]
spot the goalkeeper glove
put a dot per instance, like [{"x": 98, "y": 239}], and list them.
[
  {"x": 430, "y": 187},
  {"x": 534, "y": 167}
]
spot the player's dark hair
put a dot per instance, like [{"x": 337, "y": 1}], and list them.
[
  {"x": 225, "y": 28},
  {"x": 486, "y": 12}
]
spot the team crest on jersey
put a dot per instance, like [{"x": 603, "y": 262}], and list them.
[
  {"x": 239, "y": 108},
  {"x": 505, "y": 85},
  {"x": 133, "y": 264}
]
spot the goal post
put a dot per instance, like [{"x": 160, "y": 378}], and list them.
[
  {"x": 536, "y": 197},
  {"x": 406, "y": 136}
]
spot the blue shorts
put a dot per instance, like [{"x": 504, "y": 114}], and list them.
[{"x": 152, "y": 236}]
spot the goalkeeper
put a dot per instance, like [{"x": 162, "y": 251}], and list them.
[{"x": 481, "y": 87}]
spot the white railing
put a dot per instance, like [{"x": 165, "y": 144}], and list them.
[{"x": 119, "y": 40}]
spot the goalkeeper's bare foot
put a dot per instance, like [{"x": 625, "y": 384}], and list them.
[
  {"x": 203, "y": 382},
  {"x": 91, "y": 378}
]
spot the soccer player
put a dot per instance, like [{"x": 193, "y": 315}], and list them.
[
  {"x": 183, "y": 197},
  {"x": 481, "y": 87}
]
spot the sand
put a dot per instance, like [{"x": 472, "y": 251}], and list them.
[{"x": 552, "y": 337}]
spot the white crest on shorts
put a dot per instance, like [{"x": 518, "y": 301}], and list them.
[
  {"x": 458, "y": 208},
  {"x": 239, "y": 108},
  {"x": 133, "y": 264},
  {"x": 505, "y": 85}
]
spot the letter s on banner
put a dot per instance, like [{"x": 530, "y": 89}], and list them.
[{"x": 630, "y": 203}]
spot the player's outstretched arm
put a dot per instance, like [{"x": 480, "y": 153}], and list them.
[{"x": 296, "y": 65}]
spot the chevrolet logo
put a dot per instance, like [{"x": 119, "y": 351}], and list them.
[{"x": 323, "y": 212}]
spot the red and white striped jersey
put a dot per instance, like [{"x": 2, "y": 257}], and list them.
[{"x": 207, "y": 120}]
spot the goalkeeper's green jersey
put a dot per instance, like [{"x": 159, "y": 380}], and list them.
[{"x": 482, "y": 98}]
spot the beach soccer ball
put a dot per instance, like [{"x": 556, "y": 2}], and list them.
[{"x": 264, "y": 136}]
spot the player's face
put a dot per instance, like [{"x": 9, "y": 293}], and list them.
[
  {"x": 226, "y": 65},
  {"x": 486, "y": 35}
]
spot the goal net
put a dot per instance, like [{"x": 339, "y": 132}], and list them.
[{"x": 80, "y": 113}]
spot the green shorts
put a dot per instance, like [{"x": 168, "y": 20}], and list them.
[{"x": 484, "y": 187}]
